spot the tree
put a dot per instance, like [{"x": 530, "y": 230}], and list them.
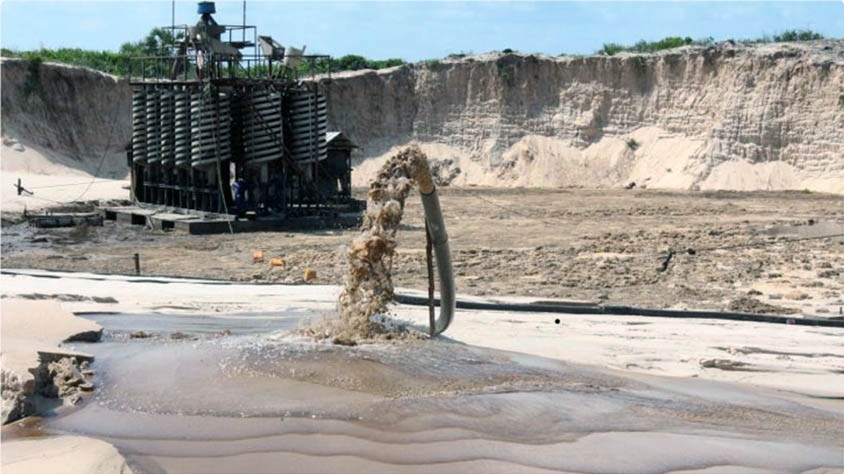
[
  {"x": 351, "y": 62},
  {"x": 157, "y": 43},
  {"x": 798, "y": 35}
]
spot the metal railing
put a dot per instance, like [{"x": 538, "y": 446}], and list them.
[{"x": 196, "y": 66}]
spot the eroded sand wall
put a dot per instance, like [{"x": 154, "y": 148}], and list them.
[
  {"x": 774, "y": 114},
  {"x": 69, "y": 114},
  {"x": 724, "y": 117}
]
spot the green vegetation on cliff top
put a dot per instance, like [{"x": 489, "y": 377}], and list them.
[
  {"x": 155, "y": 44},
  {"x": 675, "y": 41}
]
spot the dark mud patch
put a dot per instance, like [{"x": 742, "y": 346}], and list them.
[{"x": 753, "y": 305}]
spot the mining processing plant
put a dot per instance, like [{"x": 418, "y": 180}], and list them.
[{"x": 225, "y": 133}]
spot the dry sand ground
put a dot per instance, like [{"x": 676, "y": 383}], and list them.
[
  {"x": 598, "y": 245},
  {"x": 53, "y": 178}
]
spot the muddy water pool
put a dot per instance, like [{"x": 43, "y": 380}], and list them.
[{"x": 244, "y": 393}]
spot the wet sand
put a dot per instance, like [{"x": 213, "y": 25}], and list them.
[
  {"x": 802, "y": 359},
  {"x": 599, "y": 245},
  {"x": 280, "y": 403},
  {"x": 241, "y": 391}
]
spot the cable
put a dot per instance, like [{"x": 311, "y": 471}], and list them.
[
  {"x": 222, "y": 195},
  {"x": 217, "y": 155},
  {"x": 94, "y": 175},
  {"x": 105, "y": 153},
  {"x": 71, "y": 184},
  {"x": 612, "y": 310},
  {"x": 46, "y": 199},
  {"x": 506, "y": 208}
]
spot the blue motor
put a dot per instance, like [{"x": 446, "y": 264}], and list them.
[{"x": 205, "y": 8}]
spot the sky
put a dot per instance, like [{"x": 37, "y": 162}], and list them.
[{"x": 416, "y": 31}]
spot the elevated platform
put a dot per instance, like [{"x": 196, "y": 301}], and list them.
[{"x": 195, "y": 223}]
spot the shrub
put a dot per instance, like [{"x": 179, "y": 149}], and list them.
[
  {"x": 643, "y": 46},
  {"x": 787, "y": 36},
  {"x": 708, "y": 41},
  {"x": 33, "y": 77},
  {"x": 157, "y": 44},
  {"x": 349, "y": 62},
  {"x": 632, "y": 144},
  {"x": 611, "y": 48},
  {"x": 507, "y": 73},
  {"x": 386, "y": 63},
  {"x": 105, "y": 61},
  {"x": 797, "y": 35},
  {"x": 665, "y": 43}
]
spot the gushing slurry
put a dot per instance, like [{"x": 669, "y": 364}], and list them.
[{"x": 368, "y": 285}]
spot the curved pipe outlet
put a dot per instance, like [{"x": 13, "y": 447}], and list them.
[{"x": 439, "y": 241}]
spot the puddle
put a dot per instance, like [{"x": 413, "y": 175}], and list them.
[
  {"x": 264, "y": 399},
  {"x": 120, "y": 326}
]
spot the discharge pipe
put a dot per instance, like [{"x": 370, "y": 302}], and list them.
[{"x": 439, "y": 240}]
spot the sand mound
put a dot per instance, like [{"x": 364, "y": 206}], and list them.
[
  {"x": 746, "y": 176},
  {"x": 649, "y": 156},
  {"x": 53, "y": 179}
]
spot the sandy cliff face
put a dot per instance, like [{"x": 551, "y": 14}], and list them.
[
  {"x": 726, "y": 117},
  {"x": 733, "y": 117},
  {"x": 64, "y": 116}
]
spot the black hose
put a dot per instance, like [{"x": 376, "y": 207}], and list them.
[{"x": 574, "y": 308}]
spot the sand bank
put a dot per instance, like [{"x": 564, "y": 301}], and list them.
[
  {"x": 64, "y": 454},
  {"x": 32, "y": 333},
  {"x": 800, "y": 359}
]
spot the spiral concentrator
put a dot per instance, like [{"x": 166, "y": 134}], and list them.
[{"x": 217, "y": 129}]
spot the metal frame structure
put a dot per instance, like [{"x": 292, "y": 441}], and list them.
[{"x": 217, "y": 131}]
